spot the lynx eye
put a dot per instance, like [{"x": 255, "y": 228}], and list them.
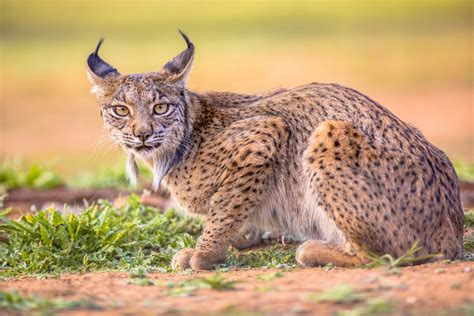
[
  {"x": 161, "y": 108},
  {"x": 121, "y": 110}
]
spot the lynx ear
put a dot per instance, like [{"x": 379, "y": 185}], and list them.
[
  {"x": 178, "y": 69},
  {"x": 101, "y": 74}
]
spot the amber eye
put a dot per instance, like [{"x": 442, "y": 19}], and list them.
[
  {"x": 161, "y": 108},
  {"x": 121, "y": 110}
]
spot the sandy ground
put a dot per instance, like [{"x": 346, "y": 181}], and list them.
[{"x": 415, "y": 290}]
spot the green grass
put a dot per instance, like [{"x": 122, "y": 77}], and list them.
[
  {"x": 14, "y": 302},
  {"x": 469, "y": 218},
  {"x": 276, "y": 256},
  {"x": 468, "y": 242},
  {"x": 133, "y": 238},
  {"x": 138, "y": 273},
  {"x": 468, "y": 245},
  {"x": 407, "y": 258},
  {"x": 101, "y": 237},
  {"x": 217, "y": 282}
]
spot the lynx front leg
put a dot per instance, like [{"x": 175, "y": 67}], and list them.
[
  {"x": 229, "y": 209},
  {"x": 245, "y": 182}
]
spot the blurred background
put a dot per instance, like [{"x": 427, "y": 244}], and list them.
[{"x": 414, "y": 57}]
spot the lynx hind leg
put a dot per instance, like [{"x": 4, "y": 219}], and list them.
[
  {"x": 326, "y": 161},
  {"x": 382, "y": 200},
  {"x": 377, "y": 197},
  {"x": 343, "y": 185}
]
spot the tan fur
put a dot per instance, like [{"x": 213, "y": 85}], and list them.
[{"x": 321, "y": 162}]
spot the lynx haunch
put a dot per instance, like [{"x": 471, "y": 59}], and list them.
[{"x": 321, "y": 162}]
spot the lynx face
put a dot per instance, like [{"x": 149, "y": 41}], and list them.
[{"x": 146, "y": 114}]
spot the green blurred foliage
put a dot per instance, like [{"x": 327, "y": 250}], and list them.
[
  {"x": 54, "y": 36},
  {"x": 465, "y": 170},
  {"x": 14, "y": 175},
  {"x": 137, "y": 19},
  {"x": 13, "y": 302},
  {"x": 107, "y": 177}
]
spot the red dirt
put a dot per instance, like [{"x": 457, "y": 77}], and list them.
[
  {"x": 22, "y": 199},
  {"x": 25, "y": 198},
  {"x": 421, "y": 289}
]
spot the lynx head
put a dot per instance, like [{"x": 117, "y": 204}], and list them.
[{"x": 147, "y": 114}]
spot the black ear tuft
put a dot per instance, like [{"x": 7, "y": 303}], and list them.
[
  {"x": 99, "y": 67},
  {"x": 178, "y": 68},
  {"x": 186, "y": 39}
]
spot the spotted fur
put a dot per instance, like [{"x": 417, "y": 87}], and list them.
[{"x": 320, "y": 162}]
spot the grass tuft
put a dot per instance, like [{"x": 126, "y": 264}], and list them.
[
  {"x": 14, "y": 302},
  {"x": 372, "y": 307},
  {"x": 138, "y": 273},
  {"x": 468, "y": 243},
  {"x": 142, "y": 282},
  {"x": 215, "y": 282},
  {"x": 408, "y": 258},
  {"x": 276, "y": 256},
  {"x": 270, "y": 276},
  {"x": 469, "y": 219},
  {"x": 342, "y": 294}
]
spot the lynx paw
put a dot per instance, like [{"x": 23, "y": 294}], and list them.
[
  {"x": 313, "y": 253},
  {"x": 247, "y": 240},
  {"x": 195, "y": 259},
  {"x": 181, "y": 259}
]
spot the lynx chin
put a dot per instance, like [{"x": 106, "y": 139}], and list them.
[{"x": 320, "y": 162}]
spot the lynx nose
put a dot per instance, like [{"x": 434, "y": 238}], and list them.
[{"x": 143, "y": 133}]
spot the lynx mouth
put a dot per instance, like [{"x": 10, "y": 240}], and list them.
[{"x": 144, "y": 148}]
